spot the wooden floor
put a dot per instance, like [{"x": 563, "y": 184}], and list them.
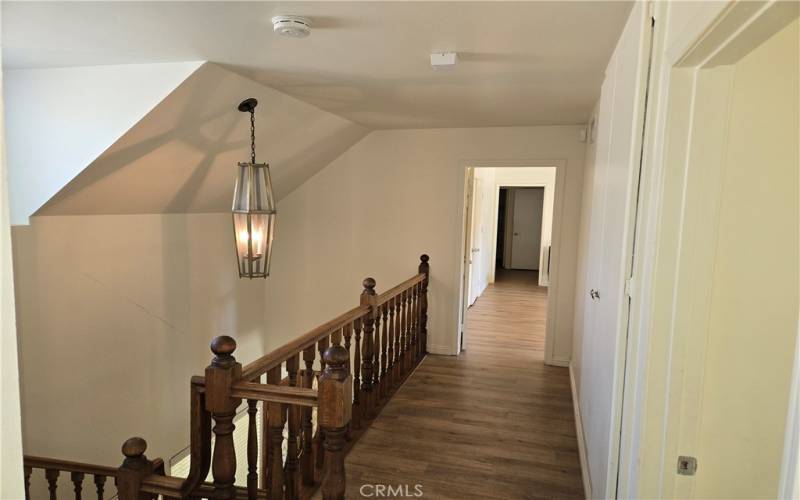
[{"x": 492, "y": 423}]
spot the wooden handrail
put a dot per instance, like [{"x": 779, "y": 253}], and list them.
[
  {"x": 68, "y": 466},
  {"x": 275, "y": 393},
  {"x": 394, "y": 291},
  {"x": 269, "y": 361}
]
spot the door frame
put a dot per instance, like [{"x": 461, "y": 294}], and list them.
[
  {"x": 555, "y": 244},
  {"x": 495, "y": 229},
  {"x": 655, "y": 381}
]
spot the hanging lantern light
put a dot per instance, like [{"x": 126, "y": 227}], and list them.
[{"x": 253, "y": 209}]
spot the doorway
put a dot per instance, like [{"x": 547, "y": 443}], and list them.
[
  {"x": 724, "y": 319},
  {"x": 509, "y": 220},
  {"x": 521, "y": 219}
]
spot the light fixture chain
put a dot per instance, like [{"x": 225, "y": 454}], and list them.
[{"x": 252, "y": 136}]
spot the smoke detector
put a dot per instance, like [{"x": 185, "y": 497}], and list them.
[{"x": 293, "y": 26}]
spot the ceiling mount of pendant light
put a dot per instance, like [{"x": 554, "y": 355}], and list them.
[{"x": 253, "y": 208}]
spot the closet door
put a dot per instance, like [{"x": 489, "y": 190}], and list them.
[
  {"x": 620, "y": 121},
  {"x": 594, "y": 396}
]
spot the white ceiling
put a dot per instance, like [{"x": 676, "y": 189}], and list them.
[{"x": 521, "y": 63}]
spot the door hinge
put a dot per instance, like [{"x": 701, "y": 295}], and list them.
[
  {"x": 630, "y": 287},
  {"x": 687, "y": 466}
]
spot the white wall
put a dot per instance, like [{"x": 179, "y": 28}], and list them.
[
  {"x": 398, "y": 194},
  {"x": 10, "y": 423},
  {"x": 61, "y": 119},
  {"x": 115, "y": 314}
]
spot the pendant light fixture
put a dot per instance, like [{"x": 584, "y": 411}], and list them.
[{"x": 253, "y": 209}]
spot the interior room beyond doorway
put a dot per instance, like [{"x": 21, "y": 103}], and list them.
[{"x": 509, "y": 216}]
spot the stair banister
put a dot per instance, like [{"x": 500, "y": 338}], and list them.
[{"x": 387, "y": 333}]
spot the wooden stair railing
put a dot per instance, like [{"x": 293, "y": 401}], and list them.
[{"x": 365, "y": 354}]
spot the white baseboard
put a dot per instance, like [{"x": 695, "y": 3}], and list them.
[
  {"x": 558, "y": 362},
  {"x": 440, "y": 349},
  {"x": 587, "y": 482}
]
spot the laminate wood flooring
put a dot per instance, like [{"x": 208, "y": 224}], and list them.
[{"x": 493, "y": 422}]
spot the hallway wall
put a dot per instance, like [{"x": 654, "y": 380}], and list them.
[{"x": 393, "y": 196}]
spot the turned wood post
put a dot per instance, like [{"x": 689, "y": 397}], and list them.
[
  {"x": 221, "y": 374},
  {"x": 368, "y": 298},
  {"x": 335, "y": 396},
  {"x": 307, "y": 461},
  {"x": 134, "y": 469},
  {"x": 425, "y": 269}
]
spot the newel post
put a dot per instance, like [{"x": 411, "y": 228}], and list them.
[
  {"x": 424, "y": 268},
  {"x": 335, "y": 405},
  {"x": 221, "y": 374},
  {"x": 368, "y": 298},
  {"x": 134, "y": 469}
]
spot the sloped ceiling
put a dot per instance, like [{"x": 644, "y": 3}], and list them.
[
  {"x": 58, "y": 120},
  {"x": 181, "y": 157}
]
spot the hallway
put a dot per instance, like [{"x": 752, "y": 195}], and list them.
[{"x": 493, "y": 422}]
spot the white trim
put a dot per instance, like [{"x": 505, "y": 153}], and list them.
[
  {"x": 560, "y": 361},
  {"x": 790, "y": 479},
  {"x": 558, "y": 214},
  {"x": 587, "y": 480},
  {"x": 441, "y": 350}
]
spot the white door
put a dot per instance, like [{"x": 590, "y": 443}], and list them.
[
  {"x": 526, "y": 228},
  {"x": 478, "y": 225},
  {"x": 613, "y": 195}
]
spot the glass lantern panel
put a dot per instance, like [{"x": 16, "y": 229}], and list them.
[
  {"x": 242, "y": 238},
  {"x": 263, "y": 199},
  {"x": 242, "y": 188}
]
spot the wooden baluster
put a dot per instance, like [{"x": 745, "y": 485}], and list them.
[
  {"x": 390, "y": 347},
  {"x": 398, "y": 329},
  {"x": 425, "y": 269},
  {"x": 277, "y": 421},
  {"x": 347, "y": 331},
  {"x": 322, "y": 345},
  {"x": 292, "y": 479},
  {"x": 403, "y": 333},
  {"x": 368, "y": 298},
  {"x": 223, "y": 371},
  {"x": 336, "y": 337},
  {"x": 27, "y": 479},
  {"x": 415, "y": 356},
  {"x": 77, "y": 483},
  {"x": 100, "y": 485},
  {"x": 133, "y": 470},
  {"x": 252, "y": 448},
  {"x": 376, "y": 359},
  {"x": 384, "y": 348},
  {"x": 307, "y": 458},
  {"x": 413, "y": 328},
  {"x": 52, "y": 481},
  {"x": 357, "y": 410},
  {"x": 411, "y": 333},
  {"x": 334, "y": 415}
]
